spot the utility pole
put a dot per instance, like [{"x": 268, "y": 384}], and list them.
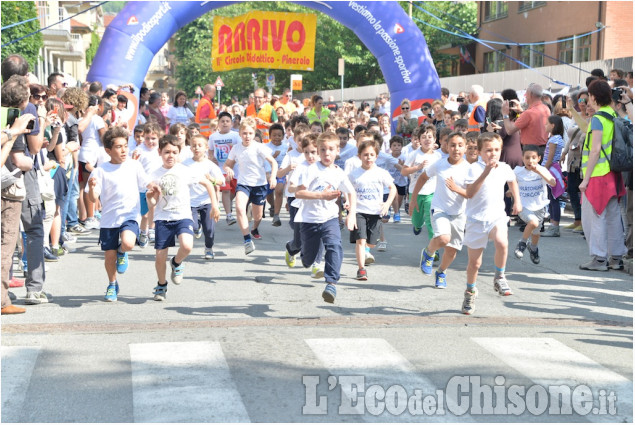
[
  {"x": 410, "y": 9},
  {"x": 340, "y": 72}
]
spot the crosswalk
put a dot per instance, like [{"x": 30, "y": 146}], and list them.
[{"x": 341, "y": 379}]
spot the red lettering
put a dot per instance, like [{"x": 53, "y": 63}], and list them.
[
  {"x": 276, "y": 34},
  {"x": 265, "y": 34},
  {"x": 224, "y": 39},
  {"x": 296, "y": 26},
  {"x": 239, "y": 36},
  {"x": 253, "y": 35}
]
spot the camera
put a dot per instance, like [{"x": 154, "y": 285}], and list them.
[
  {"x": 94, "y": 100},
  {"x": 616, "y": 94},
  {"x": 12, "y": 115},
  {"x": 460, "y": 99}
]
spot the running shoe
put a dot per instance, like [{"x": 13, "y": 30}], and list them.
[
  {"x": 329, "y": 293},
  {"x": 439, "y": 280},
  {"x": 469, "y": 301},
  {"x": 501, "y": 286},
  {"x": 426, "y": 262},
  {"x": 177, "y": 272},
  {"x": 122, "y": 262}
]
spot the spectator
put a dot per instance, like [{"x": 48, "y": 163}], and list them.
[
  {"x": 154, "y": 110},
  {"x": 286, "y": 102},
  {"x": 205, "y": 111},
  {"x": 318, "y": 112},
  {"x": 476, "y": 120},
  {"x": 406, "y": 123},
  {"x": 531, "y": 123},
  {"x": 601, "y": 188},
  {"x": 179, "y": 111}
]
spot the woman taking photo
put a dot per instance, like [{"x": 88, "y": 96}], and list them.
[
  {"x": 179, "y": 111},
  {"x": 318, "y": 112},
  {"x": 406, "y": 123},
  {"x": 601, "y": 188}
]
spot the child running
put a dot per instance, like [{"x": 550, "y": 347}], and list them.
[
  {"x": 173, "y": 215},
  {"x": 447, "y": 208},
  {"x": 319, "y": 187},
  {"x": 532, "y": 185},
  {"x": 202, "y": 209},
  {"x": 278, "y": 151},
  {"x": 401, "y": 182},
  {"x": 486, "y": 215},
  {"x": 369, "y": 182},
  {"x": 252, "y": 179},
  {"x": 112, "y": 181}
]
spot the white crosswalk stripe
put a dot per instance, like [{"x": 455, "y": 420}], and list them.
[
  {"x": 17, "y": 366},
  {"x": 183, "y": 382},
  {"x": 547, "y": 361},
  {"x": 380, "y": 364}
]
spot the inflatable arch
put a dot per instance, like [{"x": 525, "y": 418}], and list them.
[{"x": 143, "y": 27}]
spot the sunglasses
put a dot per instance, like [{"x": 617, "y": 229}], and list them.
[
  {"x": 404, "y": 108},
  {"x": 581, "y": 100},
  {"x": 39, "y": 96}
]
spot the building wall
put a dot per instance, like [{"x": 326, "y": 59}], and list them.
[
  {"x": 554, "y": 20},
  {"x": 618, "y": 40}
]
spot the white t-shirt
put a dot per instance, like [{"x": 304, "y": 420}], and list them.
[
  {"x": 532, "y": 188},
  {"x": 91, "y": 149},
  {"x": 174, "y": 201},
  {"x": 119, "y": 196},
  {"x": 186, "y": 153},
  {"x": 317, "y": 178},
  {"x": 149, "y": 158},
  {"x": 349, "y": 151},
  {"x": 179, "y": 115},
  {"x": 398, "y": 179},
  {"x": 292, "y": 157},
  {"x": 352, "y": 163},
  {"x": 282, "y": 148},
  {"x": 415, "y": 158},
  {"x": 221, "y": 145},
  {"x": 369, "y": 187},
  {"x": 251, "y": 163},
  {"x": 293, "y": 179},
  {"x": 198, "y": 193},
  {"x": 488, "y": 204},
  {"x": 444, "y": 199}
]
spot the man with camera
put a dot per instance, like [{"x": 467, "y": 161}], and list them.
[{"x": 530, "y": 122}]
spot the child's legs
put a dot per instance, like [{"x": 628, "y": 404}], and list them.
[
  {"x": 437, "y": 243},
  {"x": 56, "y": 227},
  {"x": 270, "y": 200},
  {"x": 382, "y": 237},
  {"x": 417, "y": 216},
  {"x": 241, "y": 211},
  {"x": 159, "y": 264},
  {"x": 279, "y": 196},
  {"x": 294, "y": 246},
  {"x": 310, "y": 245},
  {"x": 151, "y": 218},
  {"x": 256, "y": 212},
  {"x": 360, "y": 252},
  {"x": 208, "y": 224},
  {"x": 195, "y": 218},
  {"x": 110, "y": 263},
  {"x": 186, "y": 242},
  {"x": 473, "y": 264},
  {"x": 499, "y": 235},
  {"x": 227, "y": 201},
  {"x": 535, "y": 239},
  {"x": 554, "y": 208},
  {"x": 332, "y": 239},
  {"x": 449, "y": 254},
  {"x": 128, "y": 240},
  {"x": 80, "y": 201}
]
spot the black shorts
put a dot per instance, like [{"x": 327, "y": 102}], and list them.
[
  {"x": 257, "y": 194},
  {"x": 109, "y": 237},
  {"x": 166, "y": 232},
  {"x": 401, "y": 190},
  {"x": 367, "y": 228}
]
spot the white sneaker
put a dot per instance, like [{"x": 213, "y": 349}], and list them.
[
  {"x": 382, "y": 246},
  {"x": 370, "y": 259},
  {"x": 68, "y": 237},
  {"x": 91, "y": 223},
  {"x": 249, "y": 247},
  {"x": 317, "y": 272},
  {"x": 36, "y": 298},
  {"x": 151, "y": 235},
  {"x": 230, "y": 219}
]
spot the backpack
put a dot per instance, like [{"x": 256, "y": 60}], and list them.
[{"x": 622, "y": 144}]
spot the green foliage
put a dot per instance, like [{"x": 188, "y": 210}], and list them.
[
  {"x": 18, "y": 11},
  {"x": 333, "y": 40},
  {"x": 92, "y": 49},
  {"x": 113, "y": 6},
  {"x": 464, "y": 11}
]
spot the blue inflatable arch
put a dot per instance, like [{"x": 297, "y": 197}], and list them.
[{"x": 140, "y": 30}]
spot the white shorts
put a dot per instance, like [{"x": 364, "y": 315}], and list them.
[
  {"x": 477, "y": 232},
  {"x": 528, "y": 215},
  {"x": 453, "y": 225}
]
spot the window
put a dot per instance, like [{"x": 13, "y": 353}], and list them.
[
  {"x": 533, "y": 55},
  {"x": 528, "y": 5},
  {"x": 576, "y": 50},
  {"x": 495, "y": 10},
  {"x": 493, "y": 61}
]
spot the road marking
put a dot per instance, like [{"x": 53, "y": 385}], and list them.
[
  {"x": 380, "y": 364},
  {"x": 17, "y": 367},
  {"x": 547, "y": 361},
  {"x": 184, "y": 382}
]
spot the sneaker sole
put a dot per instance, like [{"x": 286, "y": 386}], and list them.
[
  {"x": 318, "y": 275},
  {"x": 500, "y": 292},
  {"x": 328, "y": 297},
  {"x": 362, "y": 278},
  {"x": 440, "y": 286},
  {"x": 369, "y": 261},
  {"x": 159, "y": 298},
  {"x": 519, "y": 255},
  {"x": 604, "y": 269}
]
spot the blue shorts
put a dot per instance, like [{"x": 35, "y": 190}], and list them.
[
  {"x": 282, "y": 180},
  {"x": 257, "y": 194},
  {"x": 109, "y": 238},
  {"x": 166, "y": 232},
  {"x": 144, "y": 203}
]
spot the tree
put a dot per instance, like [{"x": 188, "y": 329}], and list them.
[
  {"x": 94, "y": 44},
  {"x": 29, "y": 47},
  {"x": 333, "y": 40}
]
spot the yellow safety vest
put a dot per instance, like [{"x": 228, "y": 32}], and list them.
[
  {"x": 602, "y": 167},
  {"x": 264, "y": 114}
]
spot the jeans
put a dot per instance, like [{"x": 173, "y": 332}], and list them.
[
  {"x": 329, "y": 234},
  {"x": 10, "y": 230},
  {"x": 32, "y": 219},
  {"x": 573, "y": 190},
  {"x": 64, "y": 208},
  {"x": 70, "y": 209},
  {"x": 201, "y": 215}
]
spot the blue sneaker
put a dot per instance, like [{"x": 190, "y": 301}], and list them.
[
  {"x": 329, "y": 293},
  {"x": 426, "y": 262},
  {"x": 416, "y": 230},
  {"x": 122, "y": 262},
  {"x": 177, "y": 272},
  {"x": 111, "y": 292},
  {"x": 439, "y": 280},
  {"x": 160, "y": 291},
  {"x": 396, "y": 218}
]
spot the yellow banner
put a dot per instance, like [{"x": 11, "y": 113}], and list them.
[{"x": 272, "y": 40}]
